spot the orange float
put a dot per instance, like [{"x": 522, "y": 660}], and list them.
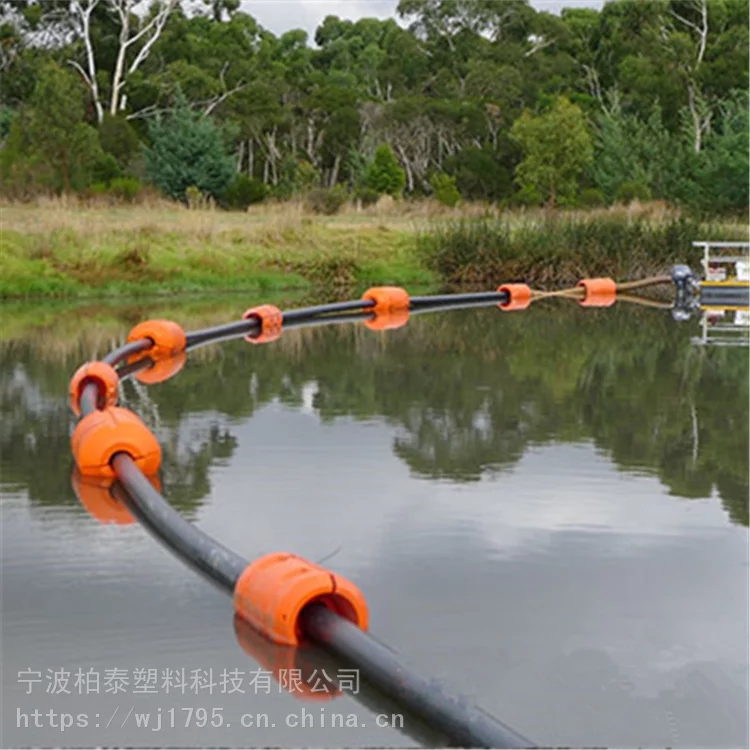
[
  {"x": 167, "y": 336},
  {"x": 387, "y": 299},
  {"x": 274, "y": 589},
  {"x": 161, "y": 369},
  {"x": 519, "y": 296},
  {"x": 391, "y": 307},
  {"x": 100, "y": 374},
  {"x": 598, "y": 292},
  {"x": 271, "y": 321},
  {"x": 102, "y": 434}
]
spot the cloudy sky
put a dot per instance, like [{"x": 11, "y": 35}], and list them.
[{"x": 282, "y": 15}]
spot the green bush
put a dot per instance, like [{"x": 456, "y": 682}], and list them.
[
  {"x": 118, "y": 138},
  {"x": 326, "y": 201},
  {"x": 125, "y": 188},
  {"x": 528, "y": 196},
  {"x": 243, "y": 191},
  {"x": 296, "y": 176},
  {"x": 445, "y": 189},
  {"x": 632, "y": 191},
  {"x": 97, "y": 189},
  {"x": 105, "y": 168},
  {"x": 591, "y": 198},
  {"x": 384, "y": 174},
  {"x": 366, "y": 196},
  {"x": 306, "y": 176}
]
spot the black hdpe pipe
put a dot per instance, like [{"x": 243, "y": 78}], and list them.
[{"x": 462, "y": 723}]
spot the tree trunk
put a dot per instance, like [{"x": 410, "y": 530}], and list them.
[
  {"x": 120, "y": 64},
  {"x": 240, "y": 156},
  {"x": 335, "y": 171},
  {"x": 696, "y": 118}
]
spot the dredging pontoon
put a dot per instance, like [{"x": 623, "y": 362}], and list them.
[{"x": 721, "y": 297}]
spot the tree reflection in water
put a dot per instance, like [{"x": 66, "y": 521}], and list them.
[{"x": 467, "y": 392}]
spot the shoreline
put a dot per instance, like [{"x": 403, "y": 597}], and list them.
[{"x": 60, "y": 253}]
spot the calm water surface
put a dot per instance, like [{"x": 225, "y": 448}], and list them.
[{"x": 547, "y": 510}]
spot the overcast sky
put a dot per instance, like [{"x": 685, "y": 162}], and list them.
[{"x": 279, "y": 16}]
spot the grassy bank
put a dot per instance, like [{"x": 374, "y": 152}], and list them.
[
  {"x": 109, "y": 252},
  {"x": 58, "y": 250}
]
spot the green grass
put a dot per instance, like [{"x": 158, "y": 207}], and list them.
[
  {"x": 57, "y": 251},
  {"x": 148, "y": 260}
]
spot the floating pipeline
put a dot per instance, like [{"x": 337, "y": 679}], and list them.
[{"x": 285, "y": 605}]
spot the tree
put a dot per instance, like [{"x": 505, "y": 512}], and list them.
[
  {"x": 443, "y": 94},
  {"x": 723, "y": 166},
  {"x": 635, "y": 151},
  {"x": 117, "y": 137},
  {"x": 55, "y": 128},
  {"x": 187, "y": 150},
  {"x": 133, "y": 32},
  {"x": 557, "y": 149},
  {"x": 384, "y": 174}
]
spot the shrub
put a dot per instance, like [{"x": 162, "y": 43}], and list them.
[
  {"x": 367, "y": 196},
  {"x": 384, "y": 173},
  {"x": 528, "y": 196},
  {"x": 118, "y": 138},
  {"x": 125, "y": 188},
  {"x": 105, "y": 168},
  {"x": 306, "y": 176},
  {"x": 193, "y": 197},
  {"x": 295, "y": 177},
  {"x": 243, "y": 191},
  {"x": 445, "y": 189},
  {"x": 592, "y": 198},
  {"x": 98, "y": 188},
  {"x": 7, "y": 117},
  {"x": 630, "y": 191},
  {"x": 326, "y": 201}
]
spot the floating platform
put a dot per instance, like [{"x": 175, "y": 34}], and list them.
[{"x": 726, "y": 278}]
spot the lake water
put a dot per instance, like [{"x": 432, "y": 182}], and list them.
[{"x": 547, "y": 510}]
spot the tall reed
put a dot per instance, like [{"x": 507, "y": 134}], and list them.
[{"x": 563, "y": 249}]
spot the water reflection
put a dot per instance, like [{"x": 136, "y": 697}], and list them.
[
  {"x": 496, "y": 484},
  {"x": 469, "y": 392}
]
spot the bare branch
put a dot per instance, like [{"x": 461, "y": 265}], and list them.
[
  {"x": 82, "y": 72},
  {"x": 219, "y": 98},
  {"x": 205, "y": 105},
  {"x": 154, "y": 27},
  {"x": 157, "y": 25},
  {"x": 701, "y": 30},
  {"x": 216, "y": 101},
  {"x": 151, "y": 111},
  {"x": 698, "y": 111},
  {"x": 538, "y": 44}
]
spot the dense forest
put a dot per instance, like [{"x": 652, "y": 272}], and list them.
[{"x": 461, "y": 99}]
